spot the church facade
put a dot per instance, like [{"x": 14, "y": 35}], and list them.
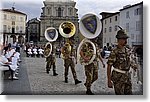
[{"x": 54, "y": 13}]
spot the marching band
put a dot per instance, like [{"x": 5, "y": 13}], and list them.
[{"x": 87, "y": 54}]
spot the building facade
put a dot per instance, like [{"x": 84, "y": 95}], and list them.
[
  {"x": 131, "y": 19},
  {"x": 110, "y": 23},
  {"x": 33, "y": 30},
  {"x": 13, "y": 25},
  {"x": 54, "y": 13}
]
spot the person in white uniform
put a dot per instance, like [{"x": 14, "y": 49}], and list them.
[
  {"x": 35, "y": 51},
  {"x": 29, "y": 51},
  {"x": 40, "y": 50},
  {"x": 4, "y": 62}
]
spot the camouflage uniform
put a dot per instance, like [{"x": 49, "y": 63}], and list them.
[
  {"x": 51, "y": 62},
  {"x": 91, "y": 72},
  {"x": 69, "y": 62},
  {"x": 120, "y": 60}
]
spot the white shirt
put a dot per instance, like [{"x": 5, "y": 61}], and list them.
[
  {"x": 35, "y": 51},
  {"x": 17, "y": 55},
  {"x": 3, "y": 60},
  {"x": 29, "y": 51},
  {"x": 40, "y": 51},
  {"x": 10, "y": 53}
]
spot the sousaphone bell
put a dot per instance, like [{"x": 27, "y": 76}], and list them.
[
  {"x": 51, "y": 35},
  {"x": 90, "y": 27},
  {"x": 67, "y": 29}
]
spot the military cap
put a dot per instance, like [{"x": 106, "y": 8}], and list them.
[{"x": 121, "y": 34}]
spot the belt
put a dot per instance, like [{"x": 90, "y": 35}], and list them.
[{"x": 120, "y": 71}]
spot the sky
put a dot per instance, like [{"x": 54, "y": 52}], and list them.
[{"x": 33, "y": 7}]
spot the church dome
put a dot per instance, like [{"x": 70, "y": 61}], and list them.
[{"x": 59, "y": 0}]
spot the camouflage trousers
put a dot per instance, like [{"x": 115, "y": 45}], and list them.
[
  {"x": 69, "y": 63},
  {"x": 49, "y": 64},
  {"x": 122, "y": 83},
  {"x": 91, "y": 72}
]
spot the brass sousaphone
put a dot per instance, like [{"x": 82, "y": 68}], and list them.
[
  {"x": 51, "y": 35},
  {"x": 67, "y": 29},
  {"x": 90, "y": 27}
]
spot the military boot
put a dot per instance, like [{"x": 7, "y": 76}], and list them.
[
  {"x": 54, "y": 73},
  {"x": 66, "y": 80},
  {"x": 47, "y": 71},
  {"x": 89, "y": 92},
  {"x": 77, "y": 81}
]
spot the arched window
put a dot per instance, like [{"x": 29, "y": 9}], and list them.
[
  {"x": 70, "y": 11},
  {"x": 49, "y": 11},
  {"x": 59, "y": 12}
]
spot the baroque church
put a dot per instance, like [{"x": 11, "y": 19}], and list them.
[{"x": 54, "y": 13}]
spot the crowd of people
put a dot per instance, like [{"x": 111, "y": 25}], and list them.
[
  {"x": 120, "y": 59},
  {"x": 10, "y": 59},
  {"x": 34, "y": 50}
]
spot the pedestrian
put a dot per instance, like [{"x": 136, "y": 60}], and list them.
[
  {"x": 91, "y": 70},
  {"x": 40, "y": 50},
  {"x": 67, "y": 53},
  {"x": 11, "y": 63},
  {"x": 50, "y": 60},
  {"x": 29, "y": 51},
  {"x": 35, "y": 51},
  {"x": 119, "y": 77}
]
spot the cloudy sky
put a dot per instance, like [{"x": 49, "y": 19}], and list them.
[{"x": 33, "y": 7}]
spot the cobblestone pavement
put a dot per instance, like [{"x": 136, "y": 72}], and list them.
[{"x": 33, "y": 79}]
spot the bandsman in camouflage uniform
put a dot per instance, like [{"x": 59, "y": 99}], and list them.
[
  {"x": 68, "y": 54},
  {"x": 120, "y": 59},
  {"x": 91, "y": 70},
  {"x": 50, "y": 61}
]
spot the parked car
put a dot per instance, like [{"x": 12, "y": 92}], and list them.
[{"x": 107, "y": 54}]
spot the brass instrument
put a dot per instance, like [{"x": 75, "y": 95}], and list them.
[
  {"x": 90, "y": 27},
  {"x": 66, "y": 51},
  {"x": 88, "y": 50},
  {"x": 51, "y": 35},
  {"x": 67, "y": 29},
  {"x": 48, "y": 49}
]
